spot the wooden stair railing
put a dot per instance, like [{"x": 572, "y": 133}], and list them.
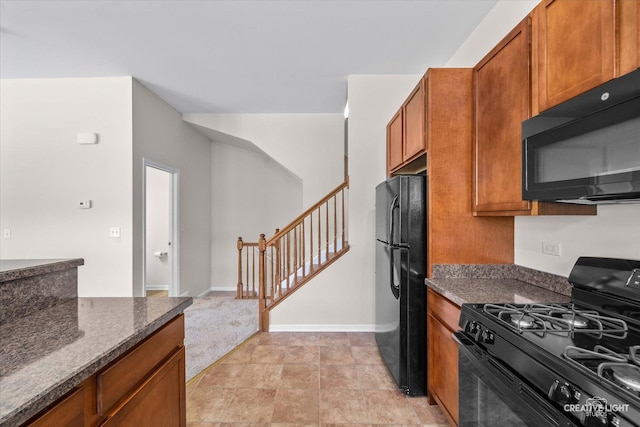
[{"x": 295, "y": 254}]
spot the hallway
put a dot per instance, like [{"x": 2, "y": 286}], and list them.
[{"x": 304, "y": 379}]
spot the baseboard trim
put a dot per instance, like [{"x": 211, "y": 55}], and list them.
[
  {"x": 321, "y": 328},
  {"x": 156, "y": 287}
]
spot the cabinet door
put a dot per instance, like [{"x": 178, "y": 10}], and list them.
[
  {"x": 394, "y": 142},
  {"x": 629, "y": 19},
  {"x": 159, "y": 401},
  {"x": 502, "y": 102},
  {"x": 68, "y": 413},
  {"x": 576, "y": 43},
  {"x": 414, "y": 123},
  {"x": 443, "y": 367}
]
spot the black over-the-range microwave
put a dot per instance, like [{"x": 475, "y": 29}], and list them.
[{"x": 587, "y": 149}]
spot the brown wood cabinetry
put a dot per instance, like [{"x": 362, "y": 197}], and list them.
[
  {"x": 455, "y": 236},
  {"x": 442, "y": 349},
  {"x": 145, "y": 387},
  {"x": 406, "y": 134},
  {"x": 394, "y": 142},
  {"x": 628, "y": 17},
  {"x": 69, "y": 412},
  {"x": 502, "y": 101},
  {"x": 574, "y": 47}
]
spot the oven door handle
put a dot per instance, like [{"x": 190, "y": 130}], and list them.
[{"x": 500, "y": 376}]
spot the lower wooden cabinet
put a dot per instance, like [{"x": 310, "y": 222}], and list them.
[
  {"x": 442, "y": 354},
  {"x": 145, "y": 387}
]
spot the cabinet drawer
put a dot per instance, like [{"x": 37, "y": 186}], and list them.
[
  {"x": 443, "y": 309},
  {"x": 115, "y": 382}
]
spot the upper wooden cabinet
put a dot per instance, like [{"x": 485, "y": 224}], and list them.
[
  {"x": 574, "y": 48},
  {"x": 502, "y": 89},
  {"x": 394, "y": 141},
  {"x": 502, "y": 102},
  {"x": 406, "y": 134},
  {"x": 629, "y": 35}
]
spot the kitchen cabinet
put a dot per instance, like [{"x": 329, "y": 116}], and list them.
[
  {"x": 68, "y": 413},
  {"x": 442, "y": 353},
  {"x": 629, "y": 36},
  {"x": 394, "y": 142},
  {"x": 144, "y": 387},
  {"x": 406, "y": 137},
  {"x": 574, "y": 48},
  {"x": 502, "y": 99}
]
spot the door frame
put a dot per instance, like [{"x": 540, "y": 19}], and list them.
[{"x": 174, "y": 221}]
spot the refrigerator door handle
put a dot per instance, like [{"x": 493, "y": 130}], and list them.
[
  {"x": 393, "y": 206},
  {"x": 395, "y": 288}
]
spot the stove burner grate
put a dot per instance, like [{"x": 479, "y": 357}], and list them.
[
  {"x": 619, "y": 369},
  {"x": 554, "y": 318},
  {"x": 627, "y": 376}
]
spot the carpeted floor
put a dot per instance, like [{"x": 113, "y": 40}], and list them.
[{"x": 214, "y": 326}]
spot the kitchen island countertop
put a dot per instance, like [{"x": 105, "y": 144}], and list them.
[{"x": 46, "y": 354}]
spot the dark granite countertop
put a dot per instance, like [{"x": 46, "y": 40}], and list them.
[
  {"x": 48, "y": 353},
  {"x": 497, "y": 283},
  {"x": 12, "y": 269}
]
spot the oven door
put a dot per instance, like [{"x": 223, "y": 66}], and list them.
[{"x": 491, "y": 395}]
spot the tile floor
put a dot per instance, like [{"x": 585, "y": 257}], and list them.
[{"x": 304, "y": 379}]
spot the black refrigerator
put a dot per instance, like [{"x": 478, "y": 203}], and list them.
[{"x": 400, "y": 291}]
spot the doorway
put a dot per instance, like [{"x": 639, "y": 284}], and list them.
[{"x": 160, "y": 230}]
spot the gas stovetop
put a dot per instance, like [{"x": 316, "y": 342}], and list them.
[{"x": 582, "y": 354}]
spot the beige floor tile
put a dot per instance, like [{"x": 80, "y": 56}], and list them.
[
  {"x": 302, "y": 354},
  {"x": 336, "y": 355},
  {"x": 338, "y": 377},
  {"x": 222, "y": 376},
  {"x": 296, "y": 406},
  {"x": 250, "y": 405},
  {"x": 333, "y": 339},
  {"x": 389, "y": 407},
  {"x": 274, "y": 338},
  {"x": 268, "y": 354},
  {"x": 342, "y": 406},
  {"x": 304, "y": 338},
  {"x": 375, "y": 377},
  {"x": 300, "y": 376},
  {"x": 260, "y": 376},
  {"x": 366, "y": 355},
  {"x": 428, "y": 414},
  {"x": 362, "y": 338},
  {"x": 240, "y": 355},
  {"x": 208, "y": 405}
]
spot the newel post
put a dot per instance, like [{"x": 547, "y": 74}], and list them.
[
  {"x": 262, "y": 277},
  {"x": 240, "y": 292}
]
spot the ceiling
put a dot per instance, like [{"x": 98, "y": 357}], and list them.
[{"x": 215, "y": 56}]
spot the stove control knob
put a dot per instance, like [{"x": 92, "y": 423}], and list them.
[
  {"x": 472, "y": 327},
  {"x": 563, "y": 393},
  {"x": 487, "y": 337}
]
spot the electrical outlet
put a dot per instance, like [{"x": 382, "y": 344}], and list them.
[
  {"x": 7, "y": 233},
  {"x": 551, "y": 248},
  {"x": 114, "y": 232}
]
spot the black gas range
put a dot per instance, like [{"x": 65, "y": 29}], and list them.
[{"x": 574, "y": 364}]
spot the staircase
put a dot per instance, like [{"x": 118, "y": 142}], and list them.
[{"x": 272, "y": 269}]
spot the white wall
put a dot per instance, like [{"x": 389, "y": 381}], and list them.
[
  {"x": 45, "y": 173},
  {"x": 309, "y": 145},
  {"x": 158, "y": 223},
  {"x": 251, "y": 194},
  {"x": 614, "y": 232},
  {"x": 160, "y": 135},
  {"x": 342, "y": 297}
]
